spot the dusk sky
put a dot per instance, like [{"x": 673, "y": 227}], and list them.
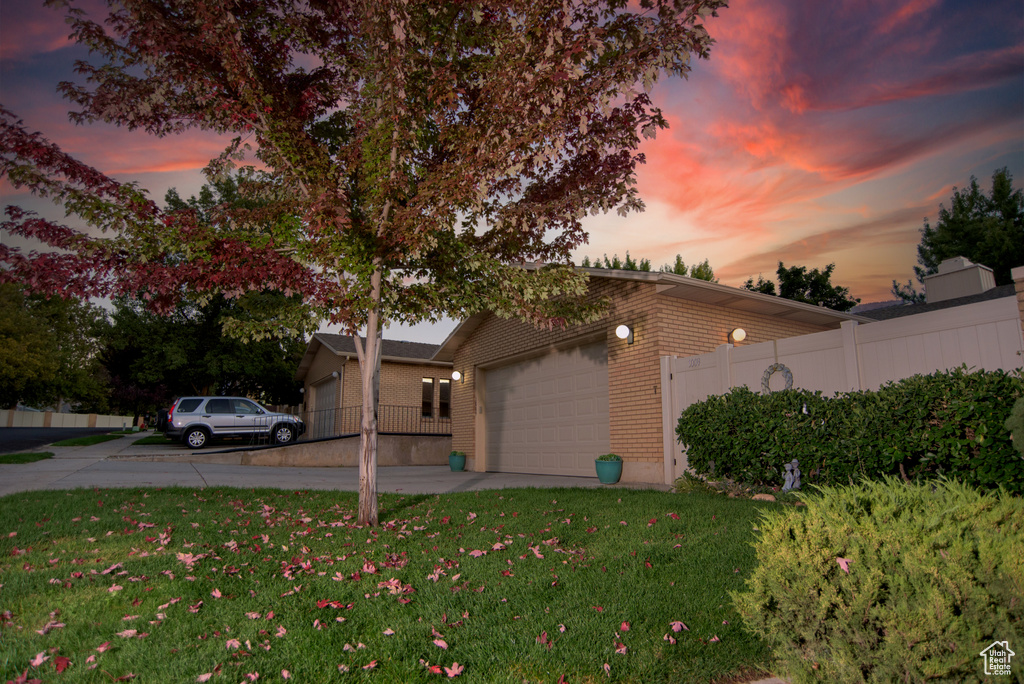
[{"x": 819, "y": 131}]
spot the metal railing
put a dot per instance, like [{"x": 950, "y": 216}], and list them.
[{"x": 407, "y": 420}]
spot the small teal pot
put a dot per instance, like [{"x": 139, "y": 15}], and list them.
[
  {"x": 457, "y": 461},
  {"x": 608, "y": 472}
]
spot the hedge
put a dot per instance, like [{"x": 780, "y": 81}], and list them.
[
  {"x": 949, "y": 423},
  {"x": 888, "y": 581}
]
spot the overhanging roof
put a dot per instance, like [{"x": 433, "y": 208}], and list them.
[
  {"x": 690, "y": 289},
  {"x": 391, "y": 350}
]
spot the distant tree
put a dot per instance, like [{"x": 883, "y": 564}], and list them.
[
  {"x": 48, "y": 351},
  {"x": 701, "y": 271},
  {"x": 811, "y": 287},
  {"x": 987, "y": 229}
]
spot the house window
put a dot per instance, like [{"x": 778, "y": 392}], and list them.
[
  {"x": 428, "y": 398},
  {"x": 444, "y": 404}
]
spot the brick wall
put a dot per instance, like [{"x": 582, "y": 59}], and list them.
[{"x": 662, "y": 325}]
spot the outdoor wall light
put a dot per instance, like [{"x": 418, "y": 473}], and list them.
[
  {"x": 624, "y": 332},
  {"x": 738, "y": 335},
  {"x": 456, "y": 376},
  {"x": 335, "y": 374}
]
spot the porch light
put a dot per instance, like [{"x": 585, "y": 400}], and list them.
[
  {"x": 456, "y": 376},
  {"x": 738, "y": 335},
  {"x": 623, "y": 332}
]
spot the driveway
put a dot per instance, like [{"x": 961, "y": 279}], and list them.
[
  {"x": 17, "y": 440},
  {"x": 115, "y": 464}
]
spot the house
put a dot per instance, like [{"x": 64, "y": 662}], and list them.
[
  {"x": 415, "y": 388},
  {"x": 539, "y": 401}
]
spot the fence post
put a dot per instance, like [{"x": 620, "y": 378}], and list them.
[
  {"x": 723, "y": 357},
  {"x": 853, "y": 379}
]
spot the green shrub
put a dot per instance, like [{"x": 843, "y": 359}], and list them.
[
  {"x": 1015, "y": 425},
  {"x": 950, "y": 423},
  {"x": 934, "y": 575},
  {"x": 609, "y": 457}
]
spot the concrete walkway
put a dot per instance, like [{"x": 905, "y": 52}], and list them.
[{"x": 121, "y": 463}]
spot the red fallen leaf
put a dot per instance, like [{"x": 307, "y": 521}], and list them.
[
  {"x": 678, "y": 626},
  {"x": 103, "y": 647},
  {"x": 844, "y": 563},
  {"x": 621, "y": 648},
  {"x": 370, "y": 665},
  {"x": 441, "y": 643},
  {"x": 650, "y": 523},
  {"x": 674, "y": 516},
  {"x": 599, "y": 609},
  {"x": 454, "y": 671},
  {"x": 624, "y": 627},
  {"x": 61, "y": 663},
  {"x": 715, "y": 638}
]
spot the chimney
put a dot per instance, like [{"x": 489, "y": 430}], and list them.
[{"x": 958, "y": 277}]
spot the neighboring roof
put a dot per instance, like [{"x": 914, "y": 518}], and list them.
[
  {"x": 692, "y": 289},
  {"x": 391, "y": 350},
  {"x": 913, "y": 309}
]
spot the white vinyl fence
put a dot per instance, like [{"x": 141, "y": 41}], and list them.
[
  {"x": 37, "y": 419},
  {"x": 984, "y": 336}
]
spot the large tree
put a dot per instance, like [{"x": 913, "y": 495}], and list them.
[
  {"x": 987, "y": 229},
  {"x": 801, "y": 285},
  {"x": 413, "y": 153}
]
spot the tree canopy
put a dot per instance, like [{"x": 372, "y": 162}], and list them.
[
  {"x": 801, "y": 285},
  {"x": 411, "y": 155},
  {"x": 987, "y": 229},
  {"x": 701, "y": 271}
]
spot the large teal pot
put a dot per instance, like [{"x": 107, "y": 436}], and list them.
[
  {"x": 608, "y": 472},
  {"x": 457, "y": 461}
]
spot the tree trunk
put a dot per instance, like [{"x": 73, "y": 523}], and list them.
[{"x": 369, "y": 365}]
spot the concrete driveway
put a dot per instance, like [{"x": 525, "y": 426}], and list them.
[{"x": 119, "y": 463}]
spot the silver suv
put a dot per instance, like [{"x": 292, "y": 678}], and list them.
[{"x": 198, "y": 420}]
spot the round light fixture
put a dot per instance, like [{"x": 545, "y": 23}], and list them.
[
  {"x": 622, "y": 332},
  {"x": 738, "y": 335},
  {"x": 456, "y": 376}
]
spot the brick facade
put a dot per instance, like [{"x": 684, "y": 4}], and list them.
[{"x": 662, "y": 325}]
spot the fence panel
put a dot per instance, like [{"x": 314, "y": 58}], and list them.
[{"x": 984, "y": 336}]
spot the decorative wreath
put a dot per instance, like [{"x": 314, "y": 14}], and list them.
[{"x": 786, "y": 373}]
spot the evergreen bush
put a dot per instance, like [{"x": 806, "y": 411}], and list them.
[
  {"x": 949, "y": 424},
  {"x": 888, "y": 581},
  {"x": 1015, "y": 426}
]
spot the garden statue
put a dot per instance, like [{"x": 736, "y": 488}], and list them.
[{"x": 792, "y": 476}]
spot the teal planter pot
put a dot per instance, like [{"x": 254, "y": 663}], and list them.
[
  {"x": 457, "y": 461},
  {"x": 608, "y": 472}
]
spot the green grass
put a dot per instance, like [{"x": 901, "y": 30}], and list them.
[
  {"x": 301, "y": 588},
  {"x": 86, "y": 441},
  {"x": 8, "y": 459}
]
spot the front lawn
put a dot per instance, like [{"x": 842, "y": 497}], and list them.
[
  {"x": 189, "y": 585},
  {"x": 30, "y": 457}
]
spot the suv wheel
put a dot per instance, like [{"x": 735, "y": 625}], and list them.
[
  {"x": 196, "y": 438},
  {"x": 284, "y": 433}
]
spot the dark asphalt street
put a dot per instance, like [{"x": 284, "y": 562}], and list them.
[{"x": 17, "y": 440}]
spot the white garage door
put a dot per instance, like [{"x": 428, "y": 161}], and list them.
[{"x": 549, "y": 414}]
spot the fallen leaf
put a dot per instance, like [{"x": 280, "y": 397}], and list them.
[
  {"x": 678, "y": 626},
  {"x": 389, "y": 632},
  {"x": 103, "y": 647},
  {"x": 285, "y": 674},
  {"x": 441, "y": 643},
  {"x": 128, "y": 633},
  {"x": 204, "y": 677},
  {"x": 669, "y": 639},
  {"x": 624, "y": 627},
  {"x": 370, "y": 665},
  {"x": 233, "y": 644},
  {"x": 454, "y": 671},
  {"x": 844, "y": 563},
  {"x": 608, "y": 669},
  {"x": 61, "y": 663},
  {"x": 215, "y": 593},
  {"x": 40, "y": 658},
  {"x": 621, "y": 648},
  {"x": 714, "y": 639}
]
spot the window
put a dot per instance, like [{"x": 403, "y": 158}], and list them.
[
  {"x": 428, "y": 398},
  {"x": 219, "y": 406},
  {"x": 444, "y": 404},
  {"x": 247, "y": 407},
  {"x": 187, "y": 405}
]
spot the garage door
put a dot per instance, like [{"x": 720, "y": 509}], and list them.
[{"x": 549, "y": 414}]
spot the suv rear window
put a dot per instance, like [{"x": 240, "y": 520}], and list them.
[
  {"x": 219, "y": 406},
  {"x": 187, "y": 405}
]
